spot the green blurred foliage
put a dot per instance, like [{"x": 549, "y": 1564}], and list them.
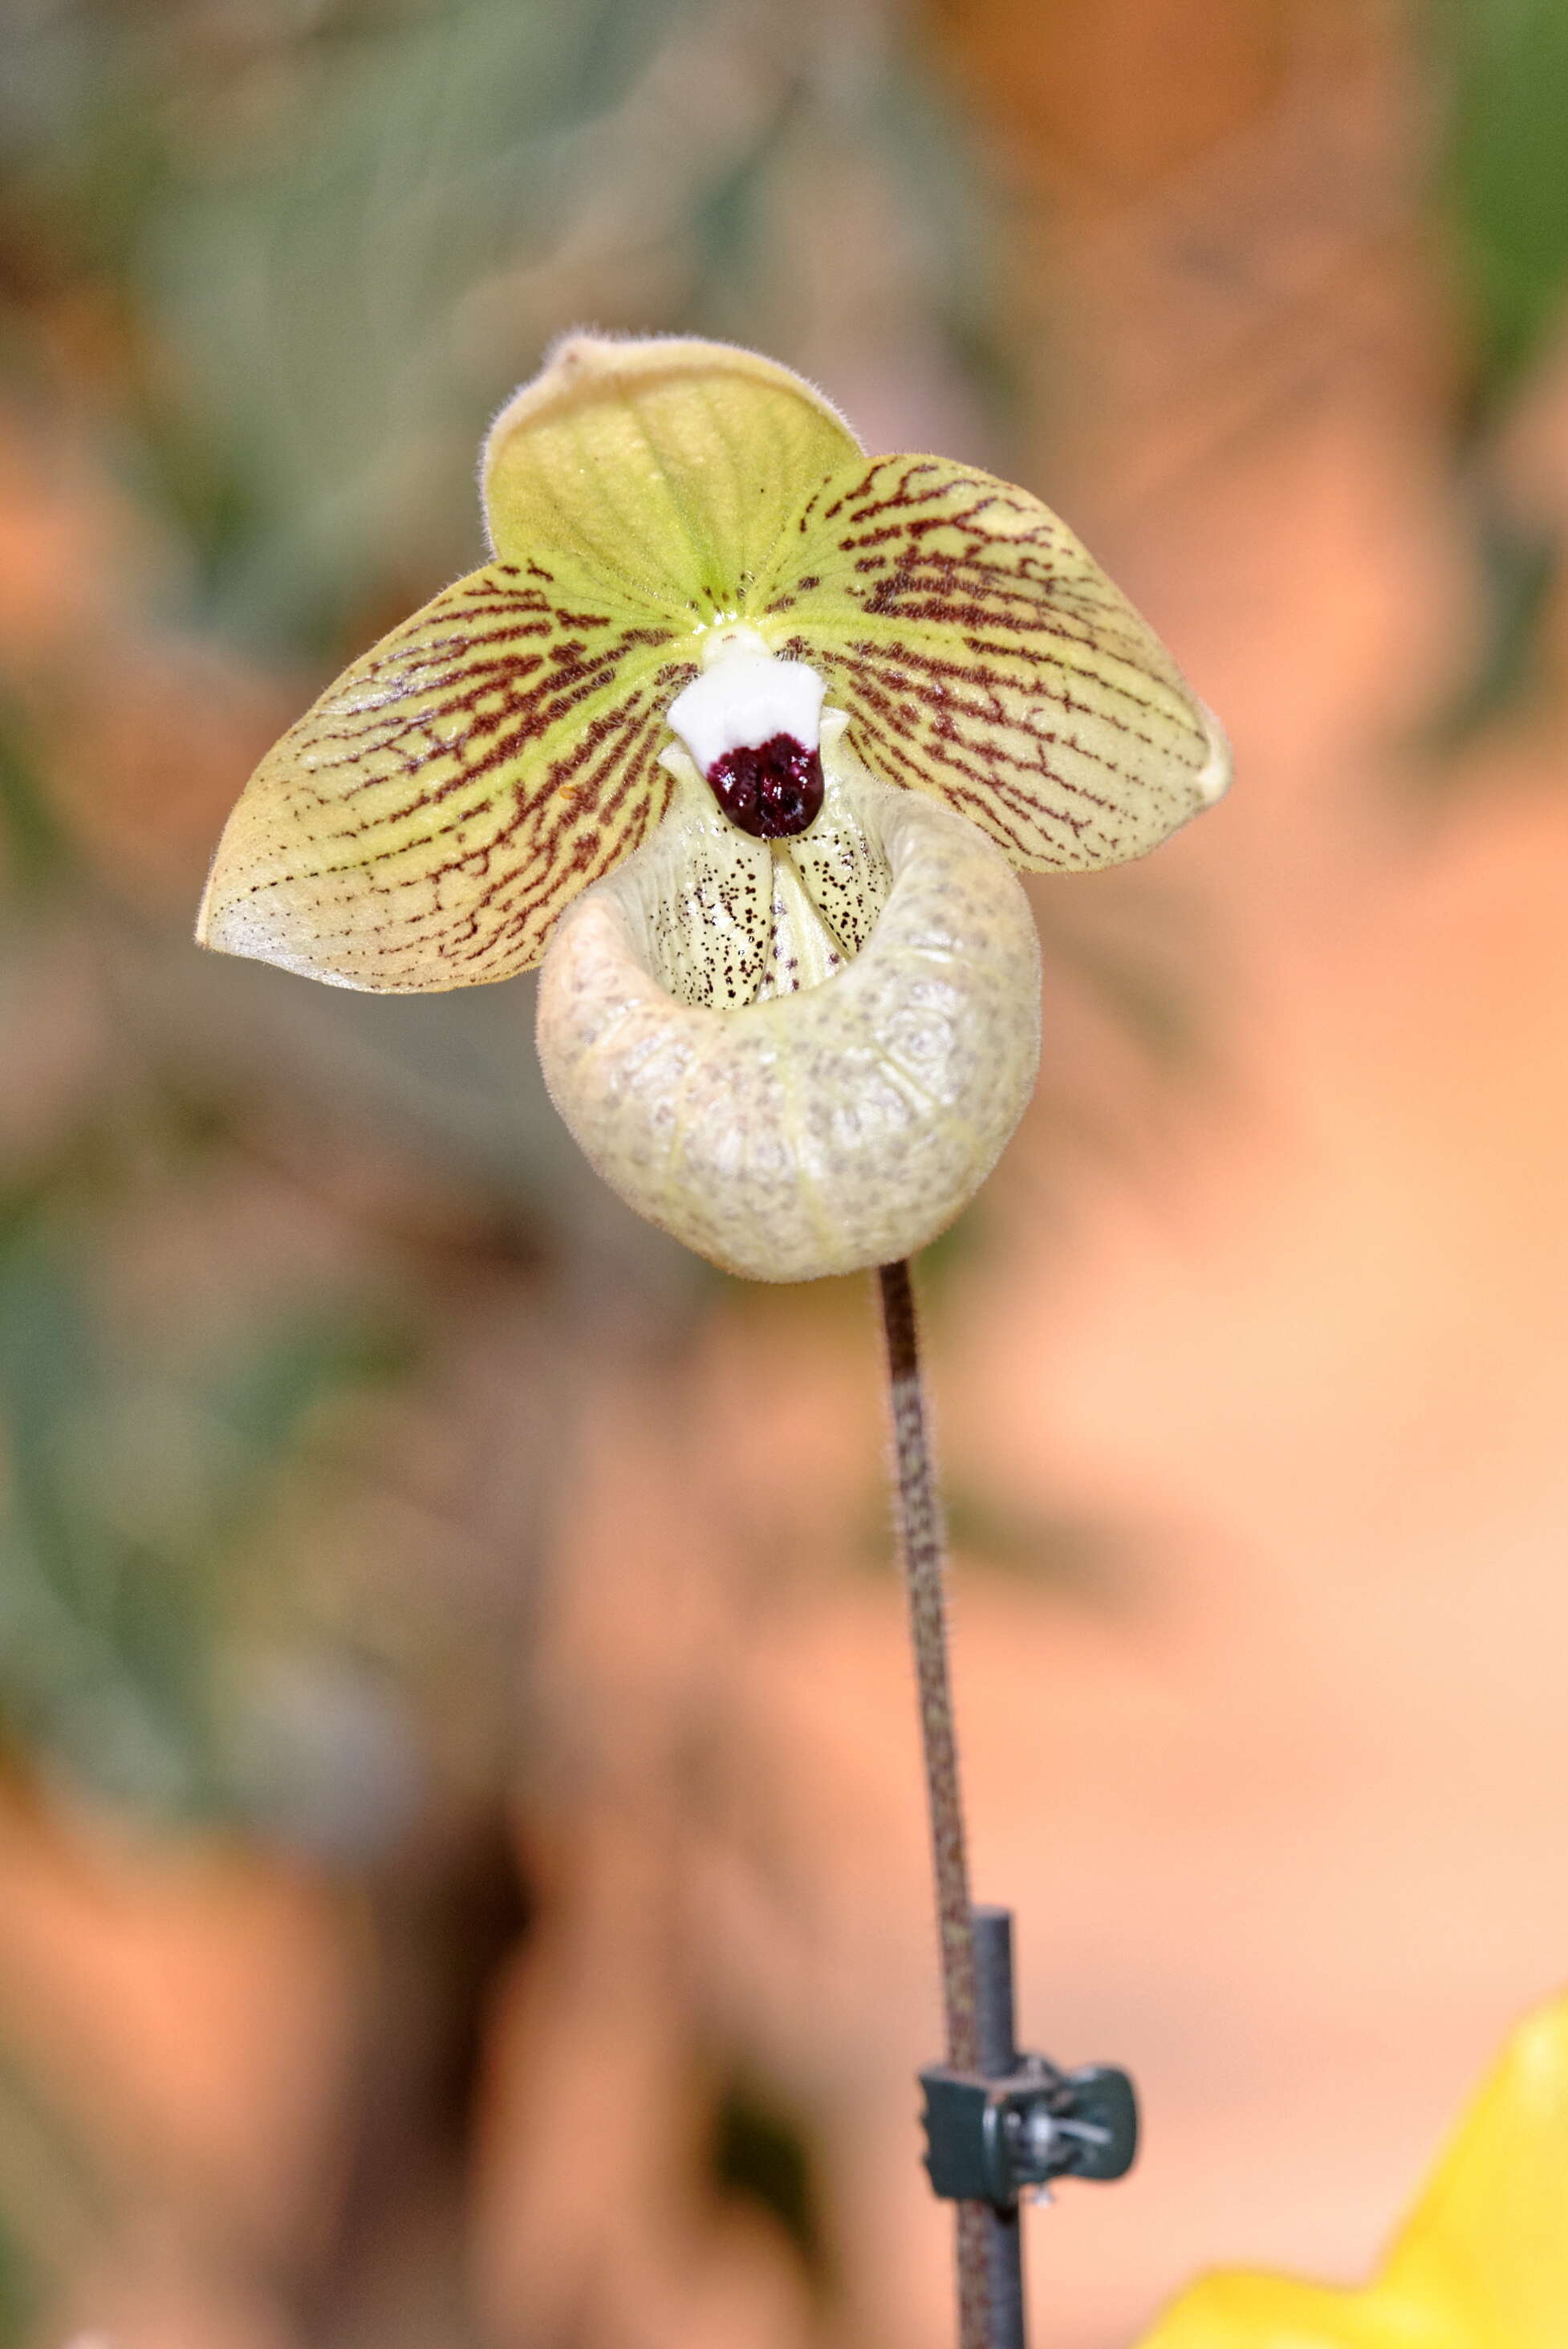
[
  {"x": 32, "y": 851},
  {"x": 337, "y": 234},
  {"x": 132, "y": 1495},
  {"x": 1502, "y": 190},
  {"x": 760, "y": 2152},
  {"x": 1519, "y": 564},
  {"x": 1505, "y": 175},
  {"x": 132, "y": 1481},
  {"x": 16, "y": 2290},
  {"x": 56, "y": 2196}
]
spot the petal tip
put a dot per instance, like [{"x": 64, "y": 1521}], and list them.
[
  {"x": 1216, "y": 774},
  {"x": 258, "y": 919},
  {"x": 235, "y": 925}
]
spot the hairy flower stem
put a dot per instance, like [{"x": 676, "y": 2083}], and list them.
[{"x": 924, "y": 1548}]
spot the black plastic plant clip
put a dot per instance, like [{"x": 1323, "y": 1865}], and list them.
[
  {"x": 990, "y": 2140},
  {"x": 1017, "y": 2123}
]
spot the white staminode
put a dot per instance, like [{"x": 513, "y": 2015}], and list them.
[{"x": 743, "y": 700}]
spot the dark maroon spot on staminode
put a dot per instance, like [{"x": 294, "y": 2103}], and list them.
[{"x": 772, "y": 791}]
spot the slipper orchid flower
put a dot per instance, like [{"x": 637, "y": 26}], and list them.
[
  {"x": 744, "y": 734},
  {"x": 1482, "y": 2262}
]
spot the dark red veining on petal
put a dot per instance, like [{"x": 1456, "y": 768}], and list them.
[{"x": 772, "y": 791}]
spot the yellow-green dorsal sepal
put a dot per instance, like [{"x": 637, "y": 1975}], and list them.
[
  {"x": 983, "y": 656},
  {"x": 672, "y": 467}
]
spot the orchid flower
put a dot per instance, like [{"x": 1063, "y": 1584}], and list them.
[
  {"x": 744, "y": 734},
  {"x": 1482, "y": 2264}
]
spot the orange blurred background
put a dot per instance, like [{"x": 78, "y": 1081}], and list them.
[{"x": 464, "y": 1875}]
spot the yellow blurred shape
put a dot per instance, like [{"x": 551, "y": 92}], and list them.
[{"x": 1481, "y": 2264}]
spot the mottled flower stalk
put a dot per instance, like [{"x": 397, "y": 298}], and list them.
[{"x": 922, "y": 1539}]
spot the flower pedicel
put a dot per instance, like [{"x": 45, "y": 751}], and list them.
[{"x": 742, "y": 733}]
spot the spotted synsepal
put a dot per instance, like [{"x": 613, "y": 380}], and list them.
[{"x": 983, "y": 656}]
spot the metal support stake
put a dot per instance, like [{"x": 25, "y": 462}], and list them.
[
  {"x": 994, "y": 2015},
  {"x": 1015, "y": 2122}
]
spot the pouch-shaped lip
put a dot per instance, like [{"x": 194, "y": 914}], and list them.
[{"x": 823, "y": 1132}]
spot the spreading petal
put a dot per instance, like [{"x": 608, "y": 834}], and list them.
[
  {"x": 423, "y": 825},
  {"x": 983, "y": 656}
]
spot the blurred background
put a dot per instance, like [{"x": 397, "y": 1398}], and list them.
[{"x": 462, "y": 1877}]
